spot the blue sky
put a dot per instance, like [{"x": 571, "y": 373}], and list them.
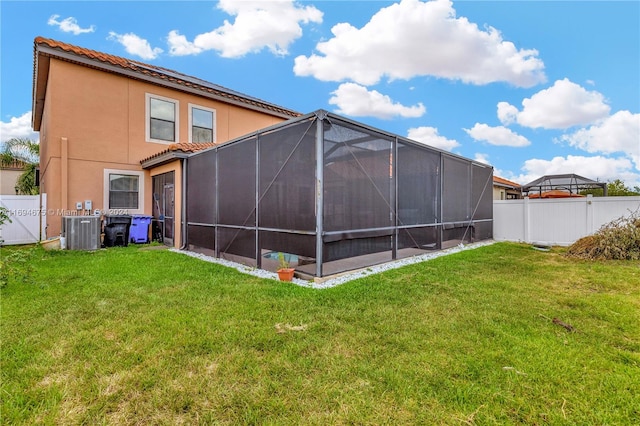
[{"x": 531, "y": 88}]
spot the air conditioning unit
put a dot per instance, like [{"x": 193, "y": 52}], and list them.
[{"x": 81, "y": 232}]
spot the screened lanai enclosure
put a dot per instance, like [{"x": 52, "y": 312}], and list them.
[{"x": 332, "y": 195}]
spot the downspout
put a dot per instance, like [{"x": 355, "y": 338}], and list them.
[
  {"x": 40, "y": 214},
  {"x": 183, "y": 213}
]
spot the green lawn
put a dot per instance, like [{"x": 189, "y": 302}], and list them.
[{"x": 131, "y": 336}]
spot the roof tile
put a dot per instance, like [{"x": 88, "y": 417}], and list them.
[
  {"x": 181, "y": 147},
  {"x": 164, "y": 74},
  {"x": 498, "y": 179}
]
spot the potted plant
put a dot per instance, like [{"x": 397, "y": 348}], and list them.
[{"x": 285, "y": 273}]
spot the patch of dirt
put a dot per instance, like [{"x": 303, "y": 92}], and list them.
[{"x": 283, "y": 328}]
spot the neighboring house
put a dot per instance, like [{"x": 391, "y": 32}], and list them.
[
  {"x": 99, "y": 116},
  {"x": 9, "y": 175},
  {"x": 504, "y": 189}
]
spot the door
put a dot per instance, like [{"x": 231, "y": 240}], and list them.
[
  {"x": 168, "y": 213},
  {"x": 163, "y": 207}
]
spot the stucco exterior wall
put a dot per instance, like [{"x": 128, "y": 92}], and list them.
[
  {"x": 94, "y": 120},
  {"x": 8, "y": 179},
  {"x": 502, "y": 193}
]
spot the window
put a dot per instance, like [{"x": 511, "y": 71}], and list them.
[
  {"x": 201, "y": 124},
  {"x": 124, "y": 190},
  {"x": 162, "y": 119}
]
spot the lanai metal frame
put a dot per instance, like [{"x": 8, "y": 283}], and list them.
[{"x": 333, "y": 195}]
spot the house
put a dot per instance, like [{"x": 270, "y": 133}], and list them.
[
  {"x": 504, "y": 189},
  {"x": 238, "y": 177},
  {"x": 100, "y": 115},
  {"x": 9, "y": 175}
]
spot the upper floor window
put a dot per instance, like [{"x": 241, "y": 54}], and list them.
[
  {"x": 162, "y": 119},
  {"x": 201, "y": 124}
]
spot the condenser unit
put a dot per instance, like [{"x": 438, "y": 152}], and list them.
[{"x": 81, "y": 232}]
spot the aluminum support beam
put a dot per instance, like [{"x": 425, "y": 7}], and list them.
[
  {"x": 319, "y": 192},
  {"x": 258, "y": 253}
]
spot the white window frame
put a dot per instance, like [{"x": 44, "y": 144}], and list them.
[
  {"x": 213, "y": 123},
  {"x": 107, "y": 189},
  {"x": 147, "y": 108}
]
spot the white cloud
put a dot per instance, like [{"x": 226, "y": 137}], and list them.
[
  {"x": 619, "y": 132},
  {"x": 69, "y": 25},
  {"x": 507, "y": 113},
  {"x": 258, "y": 24},
  {"x": 415, "y": 38},
  {"x": 563, "y": 105},
  {"x": 500, "y": 136},
  {"x": 596, "y": 168},
  {"x": 429, "y": 136},
  {"x": 18, "y": 127},
  {"x": 356, "y": 101},
  {"x": 482, "y": 158},
  {"x": 135, "y": 45},
  {"x": 180, "y": 46}
]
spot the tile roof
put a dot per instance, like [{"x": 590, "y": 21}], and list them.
[
  {"x": 183, "y": 147},
  {"x": 555, "y": 193},
  {"x": 503, "y": 181},
  {"x": 158, "y": 74},
  {"x": 14, "y": 165}
]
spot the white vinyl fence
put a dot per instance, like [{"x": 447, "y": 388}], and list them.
[
  {"x": 560, "y": 221},
  {"x": 27, "y": 223}
]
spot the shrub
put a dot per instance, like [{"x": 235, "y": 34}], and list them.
[
  {"x": 617, "y": 240},
  {"x": 4, "y": 218},
  {"x": 17, "y": 265}
]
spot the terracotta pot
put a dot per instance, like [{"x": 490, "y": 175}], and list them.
[{"x": 285, "y": 274}]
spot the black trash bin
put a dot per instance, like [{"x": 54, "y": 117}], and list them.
[
  {"x": 116, "y": 230},
  {"x": 156, "y": 230}
]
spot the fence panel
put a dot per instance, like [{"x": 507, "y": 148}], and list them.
[
  {"x": 509, "y": 220},
  {"x": 557, "y": 221},
  {"x": 27, "y": 223},
  {"x": 612, "y": 208}
]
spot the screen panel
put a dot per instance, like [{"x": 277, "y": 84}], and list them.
[
  {"x": 201, "y": 236},
  {"x": 346, "y": 255},
  {"x": 299, "y": 250},
  {"x": 237, "y": 183},
  {"x": 455, "y": 234},
  {"x": 354, "y": 247},
  {"x": 287, "y": 178},
  {"x": 483, "y": 230},
  {"x": 357, "y": 178},
  {"x": 238, "y": 245},
  {"x": 482, "y": 192},
  {"x": 201, "y": 186},
  {"x": 456, "y": 192},
  {"x": 415, "y": 241},
  {"x": 418, "y": 172}
]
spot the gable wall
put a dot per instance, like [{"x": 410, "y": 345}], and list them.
[{"x": 101, "y": 119}]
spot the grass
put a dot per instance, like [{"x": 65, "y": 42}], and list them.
[{"x": 130, "y": 336}]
